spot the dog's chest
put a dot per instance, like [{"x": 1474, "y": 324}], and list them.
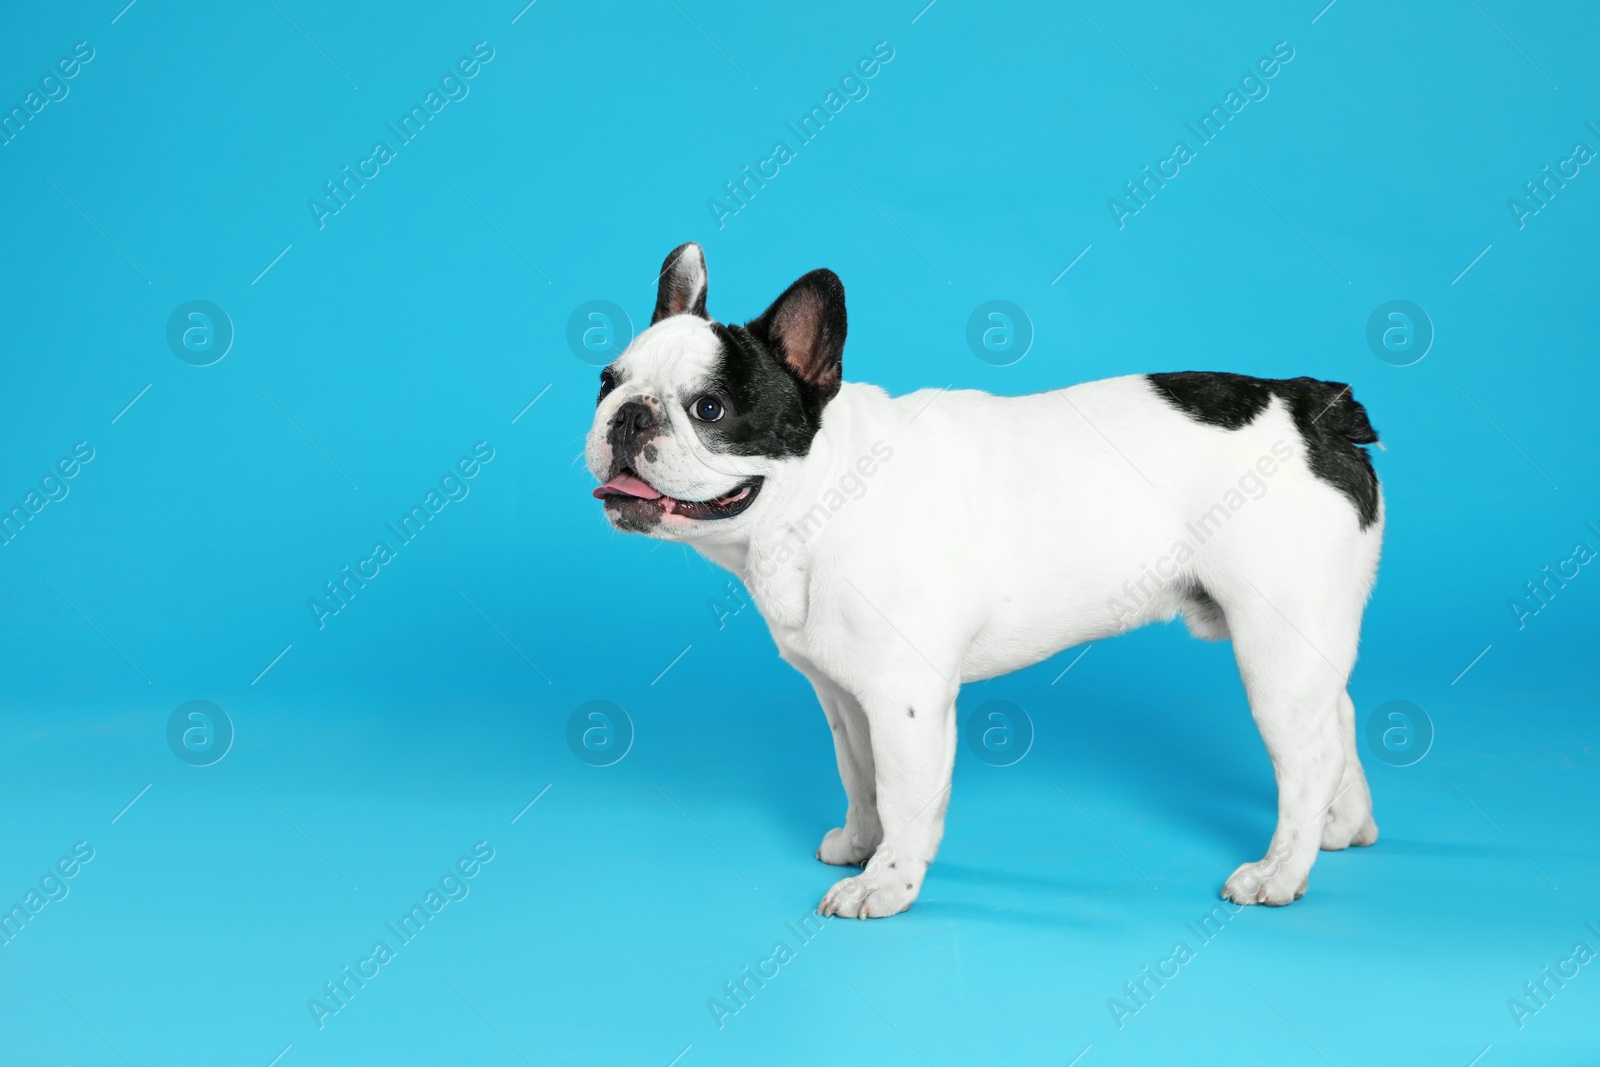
[
  {"x": 777, "y": 577},
  {"x": 779, "y": 582}
]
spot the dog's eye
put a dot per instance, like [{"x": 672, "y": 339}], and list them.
[
  {"x": 608, "y": 382},
  {"x": 707, "y": 409}
]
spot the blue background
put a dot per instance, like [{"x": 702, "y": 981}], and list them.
[{"x": 425, "y": 716}]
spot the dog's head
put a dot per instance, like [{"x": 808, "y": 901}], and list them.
[{"x": 696, "y": 417}]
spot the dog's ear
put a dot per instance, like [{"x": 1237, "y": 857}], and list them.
[
  {"x": 683, "y": 284},
  {"x": 804, "y": 330}
]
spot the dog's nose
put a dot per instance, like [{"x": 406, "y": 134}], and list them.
[
  {"x": 631, "y": 426},
  {"x": 635, "y": 417}
]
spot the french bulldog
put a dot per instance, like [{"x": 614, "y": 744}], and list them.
[{"x": 900, "y": 546}]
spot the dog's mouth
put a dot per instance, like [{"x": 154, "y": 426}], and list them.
[{"x": 631, "y": 495}]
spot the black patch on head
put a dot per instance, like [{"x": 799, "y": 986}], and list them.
[
  {"x": 1330, "y": 420},
  {"x": 911, "y": 712},
  {"x": 768, "y": 413}
]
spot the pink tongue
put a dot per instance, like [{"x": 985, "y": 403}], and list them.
[{"x": 627, "y": 485}]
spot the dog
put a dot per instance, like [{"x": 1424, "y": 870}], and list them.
[{"x": 900, "y": 546}]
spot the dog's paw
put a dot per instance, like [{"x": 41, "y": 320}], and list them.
[
  {"x": 1264, "y": 882},
  {"x": 1338, "y": 834},
  {"x": 1349, "y": 819},
  {"x": 875, "y": 895},
  {"x": 842, "y": 848}
]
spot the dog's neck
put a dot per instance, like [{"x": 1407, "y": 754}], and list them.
[{"x": 773, "y": 557}]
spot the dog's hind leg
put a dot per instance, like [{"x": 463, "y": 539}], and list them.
[
  {"x": 1295, "y": 649},
  {"x": 1350, "y": 816}
]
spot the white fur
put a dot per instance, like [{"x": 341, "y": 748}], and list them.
[{"x": 999, "y": 531}]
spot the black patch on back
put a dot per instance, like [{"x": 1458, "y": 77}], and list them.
[
  {"x": 1330, "y": 420},
  {"x": 768, "y": 411}
]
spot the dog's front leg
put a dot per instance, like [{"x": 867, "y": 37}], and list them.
[
  {"x": 913, "y": 736},
  {"x": 853, "y": 843}
]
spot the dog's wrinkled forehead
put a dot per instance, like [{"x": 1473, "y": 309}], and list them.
[{"x": 673, "y": 357}]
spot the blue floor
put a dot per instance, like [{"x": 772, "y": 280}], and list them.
[{"x": 621, "y": 900}]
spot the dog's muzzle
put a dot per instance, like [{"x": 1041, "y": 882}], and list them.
[{"x": 632, "y": 426}]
